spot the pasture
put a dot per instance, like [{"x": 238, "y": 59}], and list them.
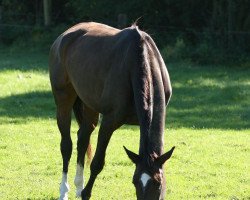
[{"x": 208, "y": 120}]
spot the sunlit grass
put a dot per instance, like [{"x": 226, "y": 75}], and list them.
[
  {"x": 20, "y": 82},
  {"x": 206, "y": 163},
  {"x": 208, "y": 122}
]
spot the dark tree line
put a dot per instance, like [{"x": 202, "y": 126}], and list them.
[
  {"x": 223, "y": 22},
  {"x": 214, "y": 15}
]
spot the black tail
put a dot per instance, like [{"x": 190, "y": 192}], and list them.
[{"x": 78, "y": 111}]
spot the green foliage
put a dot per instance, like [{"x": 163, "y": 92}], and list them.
[
  {"x": 204, "y": 52},
  {"x": 175, "y": 52},
  {"x": 214, "y": 31},
  {"x": 35, "y": 39},
  {"x": 18, "y": 12}
]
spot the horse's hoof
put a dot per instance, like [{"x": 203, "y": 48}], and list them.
[
  {"x": 63, "y": 198},
  {"x": 85, "y": 198},
  {"x": 64, "y": 189},
  {"x": 78, "y": 193},
  {"x": 84, "y": 195}
]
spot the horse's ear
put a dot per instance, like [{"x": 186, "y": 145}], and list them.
[
  {"x": 133, "y": 156},
  {"x": 163, "y": 158}
]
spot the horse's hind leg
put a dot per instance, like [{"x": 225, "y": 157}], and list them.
[
  {"x": 87, "y": 120},
  {"x": 64, "y": 98}
]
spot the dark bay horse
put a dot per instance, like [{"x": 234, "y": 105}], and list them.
[{"x": 96, "y": 69}]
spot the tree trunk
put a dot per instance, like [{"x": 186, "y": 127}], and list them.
[
  {"x": 0, "y": 23},
  {"x": 230, "y": 23},
  {"x": 47, "y": 12}
]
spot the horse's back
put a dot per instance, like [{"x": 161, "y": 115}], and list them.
[{"x": 60, "y": 46}]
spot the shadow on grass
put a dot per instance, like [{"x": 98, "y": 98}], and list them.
[
  {"x": 203, "y": 96},
  {"x": 24, "y": 60},
  {"x": 209, "y": 97},
  {"x": 17, "y": 108},
  {"x": 197, "y": 107},
  {"x": 205, "y": 107}
]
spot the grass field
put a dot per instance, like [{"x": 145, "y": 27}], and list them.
[{"x": 208, "y": 121}]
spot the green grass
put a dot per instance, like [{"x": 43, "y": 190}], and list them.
[{"x": 208, "y": 121}]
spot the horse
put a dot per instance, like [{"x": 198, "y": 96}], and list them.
[{"x": 97, "y": 69}]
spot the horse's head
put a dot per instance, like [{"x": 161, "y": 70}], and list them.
[{"x": 149, "y": 179}]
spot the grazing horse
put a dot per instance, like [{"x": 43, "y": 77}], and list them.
[{"x": 94, "y": 69}]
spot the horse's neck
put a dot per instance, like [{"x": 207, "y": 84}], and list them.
[
  {"x": 152, "y": 128},
  {"x": 156, "y": 133}
]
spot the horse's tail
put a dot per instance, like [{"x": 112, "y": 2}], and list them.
[{"x": 78, "y": 111}]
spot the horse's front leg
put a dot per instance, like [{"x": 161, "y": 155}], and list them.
[{"x": 108, "y": 126}]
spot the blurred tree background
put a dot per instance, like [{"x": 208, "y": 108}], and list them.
[{"x": 201, "y": 31}]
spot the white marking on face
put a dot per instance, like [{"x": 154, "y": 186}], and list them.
[
  {"x": 64, "y": 187},
  {"x": 79, "y": 181},
  {"x": 144, "y": 179}
]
